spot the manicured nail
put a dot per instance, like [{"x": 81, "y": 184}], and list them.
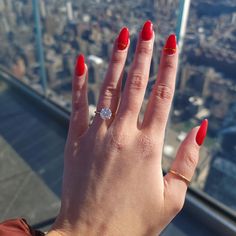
[
  {"x": 170, "y": 47},
  {"x": 123, "y": 39},
  {"x": 147, "y": 31},
  {"x": 201, "y": 134},
  {"x": 80, "y": 66}
]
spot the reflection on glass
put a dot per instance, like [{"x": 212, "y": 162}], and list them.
[
  {"x": 17, "y": 38},
  {"x": 206, "y": 85},
  {"x": 207, "y": 88}
]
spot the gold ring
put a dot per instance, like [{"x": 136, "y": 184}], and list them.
[{"x": 180, "y": 176}]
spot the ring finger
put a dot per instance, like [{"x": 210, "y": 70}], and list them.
[{"x": 110, "y": 91}]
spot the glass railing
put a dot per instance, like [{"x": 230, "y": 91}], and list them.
[{"x": 39, "y": 41}]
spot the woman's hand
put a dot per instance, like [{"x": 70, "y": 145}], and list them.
[{"x": 113, "y": 182}]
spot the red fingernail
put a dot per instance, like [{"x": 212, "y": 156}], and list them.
[
  {"x": 123, "y": 39},
  {"x": 201, "y": 134},
  {"x": 80, "y": 65},
  {"x": 170, "y": 47},
  {"x": 147, "y": 31}
]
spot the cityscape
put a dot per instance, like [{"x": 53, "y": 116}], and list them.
[{"x": 206, "y": 82}]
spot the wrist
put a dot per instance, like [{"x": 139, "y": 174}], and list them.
[
  {"x": 63, "y": 227},
  {"x": 98, "y": 229}
]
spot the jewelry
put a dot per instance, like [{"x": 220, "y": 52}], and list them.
[
  {"x": 180, "y": 176},
  {"x": 105, "y": 113}
]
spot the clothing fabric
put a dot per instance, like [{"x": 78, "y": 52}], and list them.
[{"x": 18, "y": 227}]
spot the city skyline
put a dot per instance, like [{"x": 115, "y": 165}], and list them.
[{"x": 206, "y": 84}]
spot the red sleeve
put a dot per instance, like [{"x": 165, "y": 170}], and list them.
[{"x": 18, "y": 227}]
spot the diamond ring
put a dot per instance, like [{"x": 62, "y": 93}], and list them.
[{"x": 105, "y": 113}]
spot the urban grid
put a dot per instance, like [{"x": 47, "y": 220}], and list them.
[{"x": 206, "y": 82}]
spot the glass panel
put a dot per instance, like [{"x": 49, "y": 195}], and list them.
[
  {"x": 90, "y": 27},
  {"x": 206, "y": 86},
  {"x": 18, "y": 47},
  {"x": 25, "y": 137}
]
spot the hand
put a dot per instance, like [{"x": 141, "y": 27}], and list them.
[{"x": 113, "y": 182}]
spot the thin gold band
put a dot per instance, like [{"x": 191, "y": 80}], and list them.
[{"x": 180, "y": 176}]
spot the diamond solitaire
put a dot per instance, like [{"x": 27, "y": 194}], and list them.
[{"x": 105, "y": 113}]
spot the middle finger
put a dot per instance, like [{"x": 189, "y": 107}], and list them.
[{"x": 136, "y": 83}]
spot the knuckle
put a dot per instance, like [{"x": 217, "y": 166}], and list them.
[
  {"x": 117, "y": 57},
  {"x": 76, "y": 105},
  {"x": 136, "y": 80},
  {"x": 116, "y": 145},
  {"x": 169, "y": 65},
  {"x": 117, "y": 140},
  {"x": 146, "y": 144},
  {"x": 110, "y": 92},
  {"x": 190, "y": 159},
  {"x": 145, "y": 50},
  {"x": 79, "y": 105},
  {"x": 163, "y": 92}
]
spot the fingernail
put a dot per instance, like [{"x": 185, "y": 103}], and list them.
[
  {"x": 147, "y": 31},
  {"x": 201, "y": 134},
  {"x": 170, "y": 47},
  {"x": 123, "y": 39},
  {"x": 80, "y": 65}
]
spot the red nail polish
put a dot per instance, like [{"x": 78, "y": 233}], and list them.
[
  {"x": 170, "y": 47},
  {"x": 202, "y": 131},
  {"x": 80, "y": 65},
  {"x": 147, "y": 31},
  {"x": 123, "y": 39}
]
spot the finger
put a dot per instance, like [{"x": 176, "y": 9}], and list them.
[
  {"x": 185, "y": 165},
  {"x": 136, "y": 83},
  {"x": 111, "y": 88},
  {"x": 159, "y": 104},
  {"x": 79, "y": 119}
]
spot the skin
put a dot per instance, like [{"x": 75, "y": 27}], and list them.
[{"x": 113, "y": 182}]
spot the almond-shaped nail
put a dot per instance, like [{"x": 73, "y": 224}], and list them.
[
  {"x": 123, "y": 38},
  {"x": 80, "y": 65},
  {"x": 202, "y": 131},
  {"x": 170, "y": 46},
  {"x": 147, "y": 31}
]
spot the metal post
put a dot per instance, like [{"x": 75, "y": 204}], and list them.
[
  {"x": 182, "y": 22},
  {"x": 39, "y": 45},
  {"x": 180, "y": 32}
]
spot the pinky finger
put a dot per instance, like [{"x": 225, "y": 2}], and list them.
[
  {"x": 80, "y": 112},
  {"x": 183, "y": 167}
]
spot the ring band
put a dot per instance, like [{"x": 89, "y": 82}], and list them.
[
  {"x": 180, "y": 176},
  {"x": 105, "y": 113}
]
